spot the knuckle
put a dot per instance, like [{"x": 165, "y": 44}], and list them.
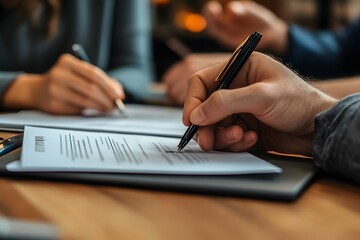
[
  {"x": 91, "y": 88},
  {"x": 52, "y": 89},
  {"x": 218, "y": 99},
  {"x": 93, "y": 73},
  {"x": 65, "y": 58}
]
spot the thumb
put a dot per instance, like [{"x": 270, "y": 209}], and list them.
[{"x": 224, "y": 103}]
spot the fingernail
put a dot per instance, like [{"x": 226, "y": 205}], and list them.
[
  {"x": 231, "y": 136},
  {"x": 195, "y": 137},
  {"x": 198, "y": 116},
  {"x": 118, "y": 92},
  {"x": 249, "y": 138}
]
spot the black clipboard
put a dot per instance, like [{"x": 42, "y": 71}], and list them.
[{"x": 286, "y": 186}]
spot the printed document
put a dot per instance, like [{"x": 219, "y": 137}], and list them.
[{"x": 48, "y": 149}]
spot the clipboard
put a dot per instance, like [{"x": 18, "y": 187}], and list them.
[{"x": 297, "y": 174}]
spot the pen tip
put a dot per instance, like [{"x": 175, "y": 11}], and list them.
[
  {"x": 179, "y": 150},
  {"x": 121, "y": 106}
]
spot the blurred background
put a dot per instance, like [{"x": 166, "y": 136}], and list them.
[{"x": 180, "y": 22}]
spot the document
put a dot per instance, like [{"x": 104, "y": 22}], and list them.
[
  {"x": 140, "y": 119},
  {"x": 47, "y": 149}
]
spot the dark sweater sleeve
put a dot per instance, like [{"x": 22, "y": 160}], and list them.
[
  {"x": 6, "y": 78},
  {"x": 324, "y": 54},
  {"x": 337, "y": 139}
]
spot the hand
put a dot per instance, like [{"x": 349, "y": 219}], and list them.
[
  {"x": 267, "y": 108},
  {"x": 232, "y": 25},
  {"x": 70, "y": 86},
  {"x": 177, "y": 76}
]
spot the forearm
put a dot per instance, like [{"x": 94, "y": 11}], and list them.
[
  {"x": 21, "y": 92},
  {"x": 6, "y": 79},
  {"x": 339, "y": 88},
  {"x": 337, "y": 139}
]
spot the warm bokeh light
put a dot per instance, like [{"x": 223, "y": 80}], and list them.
[
  {"x": 194, "y": 22},
  {"x": 160, "y": 2},
  {"x": 190, "y": 21}
]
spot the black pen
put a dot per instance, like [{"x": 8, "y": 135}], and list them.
[
  {"x": 226, "y": 76},
  {"x": 80, "y": 53}
]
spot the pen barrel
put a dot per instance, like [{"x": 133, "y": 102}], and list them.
[
  {"x": 190, "y": 132},
  {"x": 238, "y": 61}
]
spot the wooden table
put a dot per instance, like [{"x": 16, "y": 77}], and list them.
[{"x": 329, "y": 209}]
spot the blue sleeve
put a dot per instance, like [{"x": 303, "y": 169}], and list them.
[
  {"x": 131, "y": 52},
  {"x": 6, "y": 78},
  {"x": 337, "y": 139},
  {"x": 325, "y": 54}
]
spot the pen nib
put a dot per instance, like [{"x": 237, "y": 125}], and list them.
[
  {"x": 179, "y": 150},
  {"x": 121, "y": 107}
]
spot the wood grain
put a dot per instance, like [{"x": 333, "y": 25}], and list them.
[{"x": 329, "y": 209}]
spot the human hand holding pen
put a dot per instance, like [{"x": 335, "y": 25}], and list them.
[
  {"x": 70, "y": 86},
  {"x": 268, "y": 108},
  {"x": 226, "y": 76},
  {"x": 80, "y": 52}
]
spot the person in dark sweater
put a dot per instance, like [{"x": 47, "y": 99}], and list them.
[
  {"x": 38, "y": 70},
  {"x": 270, "y": 108}
]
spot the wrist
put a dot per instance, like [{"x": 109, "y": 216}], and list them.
[
  {"x": 324, "y": 102},
  {"x": 22, "y": 93}
]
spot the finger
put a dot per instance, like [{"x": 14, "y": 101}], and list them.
[
  {"x": 224, "y": 103},
  {"x": 76, "y": 88},
  {"x": 92, "y": 73},
  {"x": 61, "y": 108},
  {"x": 199, "y": 85},
  {"x": 206, "y": 138},
  {"x": 115, "y": 84},
  {"x": 227, "y": 136},
  {"x": 212, "y": 11},
  {"x": 66, "y": 95},
  {"x": 226, "y": 139},
  {"x": 247, "y": 143}
]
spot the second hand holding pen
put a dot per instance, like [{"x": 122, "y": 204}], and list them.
[
  {"x": 80, "y": 53},
  {"x": 226, "y": 76}
]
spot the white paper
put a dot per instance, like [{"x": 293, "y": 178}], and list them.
[
  {"x": 46, "y": 149},
  {"x": 140, "y": 119}
]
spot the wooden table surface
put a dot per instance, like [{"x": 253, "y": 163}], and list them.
[{"x": 329, "y": 209}]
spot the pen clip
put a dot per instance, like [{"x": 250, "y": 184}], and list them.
[{"x": 229, "y": 62}]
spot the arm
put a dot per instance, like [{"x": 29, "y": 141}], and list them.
[
  {"x": 336, "y": 142},
  {"x": 131, "y": 47},
  {"x": 339, "y": 88},
  {"x": 320, "y": 54},
  {"x": 324, "y": 54},
  {"x": 6, "y": 78},
  {"x": 67, "y": 88}
]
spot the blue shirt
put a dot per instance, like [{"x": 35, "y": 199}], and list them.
[{"x": 325, "y": 54}]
